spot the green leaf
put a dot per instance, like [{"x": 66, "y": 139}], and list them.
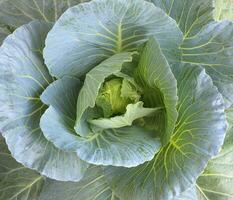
[
  {"x": 19, "y": 12},
  {"x": 110, "y": 98},
  {"x": 16, "y": 181},
  {"x": 62, "y": 96},
  {"x": 105, "y": 147},
  {"x": 212, "y": 48},
  {"x": 190, "y": 15},
  {"x": 92, "y": 32},
  {"x": 223, "y": 10},
  {"x": 206, "y": 43},
  {"x": 156, "y": 78},
  {"x": 92, "y": 84},
  {"x": 216, "y": 181},
  {"x": 133, "y": 112},
  {"x": 92, "y": 187},
  {"x": 129, "y": 88},
  {"x": 23, "y": 77},
  {"x": 198, "y": 136}
]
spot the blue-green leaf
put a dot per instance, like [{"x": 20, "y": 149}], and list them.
[
  {"x": 62, "y": 95},
  {"x": 159, "y": 87},
  {"x": 198, "y": 136},
  {"x": 92, "y": 187},
  {"x": 19, "y": 12},
  {"x": 215, "y": 183},
  {"x": 16, "y": 181},
  {"x": 103, "y": 147},
  {"x": 92, "y": 84},
  {"x": 207, "y": 43},
  {"x": 23, "y": 77},
  {"x": 133, "y": 112},
  {"x": 190, "y": 15},
  {"x": 212, "y": 48},
  {"x": 88, "y": 33}
]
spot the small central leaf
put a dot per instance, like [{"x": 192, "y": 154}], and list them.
[
  {"x": 133, "y": 112},
  {"x": 110, "y": 98}
]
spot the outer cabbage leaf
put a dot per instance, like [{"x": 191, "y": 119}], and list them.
[
  {"x": 92, "y": 84},
  {"x": 62, "y": 95},
  {"x": 104, "y": 147},
  {"x": 23, "y": 77},
  {"x": 190, "y": 15},
  {"x": 223, "y": 10},
  {"x": 159, "y": 87},
  {"x": 133, "y": 112},
  {"x": 19, "y": 12},
  {"x": 205, "y": 42},
  {"x": 216, "y": 181},
  {"x": 198, "y": 136},
  {"x": 16, "y": 181},
  {"x": 212, "y": 48},
  {"x": 92, "y": 187},
  {"x": 94, "y": 31}
]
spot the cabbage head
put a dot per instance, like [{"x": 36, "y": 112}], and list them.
[{"x": 116, "y": 100}]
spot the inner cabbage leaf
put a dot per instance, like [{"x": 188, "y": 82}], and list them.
[
  {"x": 101, "y": 147},
  {"x": 133, "y": 112}
]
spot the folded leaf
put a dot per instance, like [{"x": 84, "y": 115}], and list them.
[
  {"x": 105, "y": 147},
  {"x": 133, "y": 112},
  {"x": 92, "y": 84},
  {"x": 102, "y": 147},
  {"x": 159, "y": 87},
  {"x": 62, "y": 96}
]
